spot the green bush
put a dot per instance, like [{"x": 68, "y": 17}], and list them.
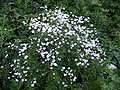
[{"x": 59, "y": 45}]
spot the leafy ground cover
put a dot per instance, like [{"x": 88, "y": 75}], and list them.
[{"x": 59, "y": 45}]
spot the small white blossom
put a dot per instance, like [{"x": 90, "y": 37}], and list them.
[
  {"x": 111, "y": 66},
  {"x": 26, "y": 56}
]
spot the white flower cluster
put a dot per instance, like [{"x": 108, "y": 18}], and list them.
[
  {"x": 56, "y": 37},
  {"x": 68, "y": 72},
  {"x": 33, "y": 82},
  {"x": 20, "y": 71},
  {"x": 53, "y": 30}
]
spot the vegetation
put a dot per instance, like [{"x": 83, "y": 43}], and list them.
[{"x": 24, "y": 67}]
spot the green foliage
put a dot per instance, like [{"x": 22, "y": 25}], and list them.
[{"x": 104, "y": 14}]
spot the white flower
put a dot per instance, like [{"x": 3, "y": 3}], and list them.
[
  {"x": 65, "y": 74},
  {"x": 63, "y": 68},
  {"x": 28, "y": 67},
  {"x": 55, "y": 64},
  {"x": 16, "y": 80},
  {"x": 111, "y": 66},
  {"x": 53, "y": 57},
  {"x": 74, "y": 78},
  {"x": 25, "y": 71},
  {"x": 22, "y": 67},
  {"x": 25, "y": 57},
  {"x": 12, "y": 65},
  {"x": 78, "y": 64},
  {"x": 17, "y": 73},
  {"x": 2, "y": 66},
  {"x": 63, "y": 83},
  {"x": 34, "y": 82},
  {"x": 76, "y": 59},
  {"x": 32, "y": 85},
  {"x": 6, "y": 55},
  {"x": 91, "y": 25},
  {"x": 25, "y": 79},
  {"x": 24, "y": 22},
  {"x": 51, "y": 67},
  {"x": 8, "y": 77},
  {"x": 33, "y": 31},
  {"x": 22, "y": 80}
]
